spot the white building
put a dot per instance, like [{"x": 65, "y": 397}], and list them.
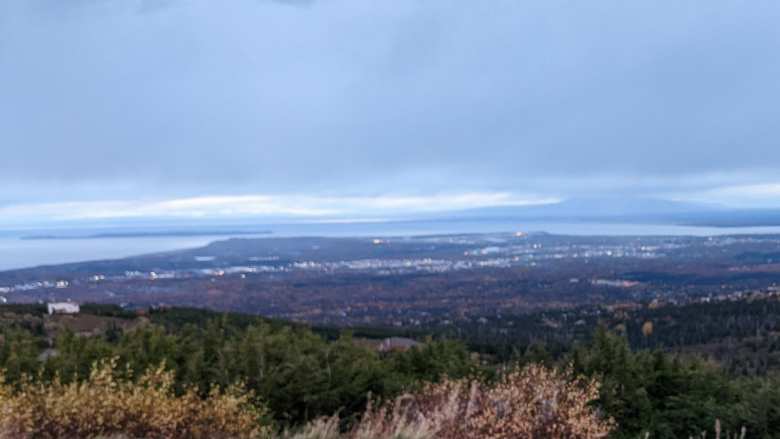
[
  {"x": 63, "y": 308},
  {"x": 396, "y": 344}
]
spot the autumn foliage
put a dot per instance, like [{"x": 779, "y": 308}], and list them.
[
  {"x": 533, "y": 402},
  {"x": 106, "y": 405}
]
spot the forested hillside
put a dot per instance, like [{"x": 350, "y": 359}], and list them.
[{"x": 278, "y": 376}]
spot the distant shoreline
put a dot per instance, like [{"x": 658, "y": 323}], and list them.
[{"x": 164, "y": 234}]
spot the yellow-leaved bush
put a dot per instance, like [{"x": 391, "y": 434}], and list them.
[{"x": 106, "y": 405}]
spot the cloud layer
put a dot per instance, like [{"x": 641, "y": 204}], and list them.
[
  {"x": 255, "y": 206},
  {"x": 118, "y": 100}
]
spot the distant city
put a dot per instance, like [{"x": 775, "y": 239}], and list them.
[{"x": 418, "y": 280}]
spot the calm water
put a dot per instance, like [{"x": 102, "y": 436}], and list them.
[{"x": 18, "y": 253}]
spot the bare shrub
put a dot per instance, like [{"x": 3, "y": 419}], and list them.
[
  {"x": 323, "y": 428},
  {"x": 534, "y": 402}
]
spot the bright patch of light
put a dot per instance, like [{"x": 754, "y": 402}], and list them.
[{"x": 238, "y": 206}]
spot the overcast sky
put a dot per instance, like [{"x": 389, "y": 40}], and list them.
[{"x": 339, "y": 106}]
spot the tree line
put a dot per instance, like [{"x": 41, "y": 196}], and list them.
[{"x": 301, "y": 375}]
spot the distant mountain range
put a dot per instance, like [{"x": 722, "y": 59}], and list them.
[{"x": 631, "y": 210}]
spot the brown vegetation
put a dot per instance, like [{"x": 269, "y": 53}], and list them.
[
  {"x": 106, "y": 405},
  {"x": 534, "y": 402}
]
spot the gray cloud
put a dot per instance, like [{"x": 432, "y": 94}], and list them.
[{"x": 404, "y": 96}]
